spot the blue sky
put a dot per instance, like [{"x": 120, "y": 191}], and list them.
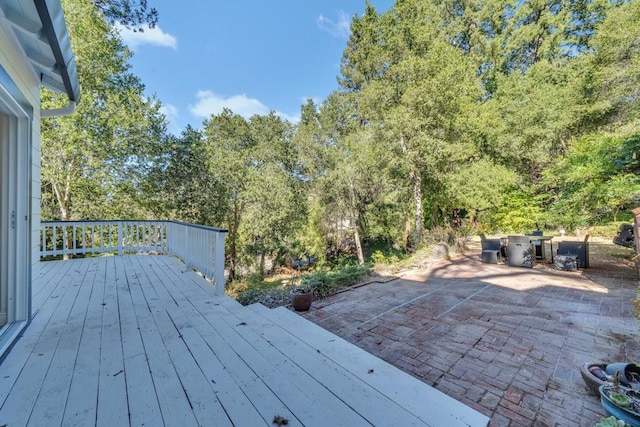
[{"x": 252, "y": 56}]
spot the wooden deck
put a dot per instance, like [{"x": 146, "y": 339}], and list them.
[{"x": 136, "y": 340}]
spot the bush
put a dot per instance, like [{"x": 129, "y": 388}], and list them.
[
  {"x": 269, "y": 297},
  {"x": 324, "y": 283},
  {"x": 378, "y": 257},
  {"x": 250, "y": 296},
  {"x": 320, "y": 283},
  {"x": 349, "y": 275}
]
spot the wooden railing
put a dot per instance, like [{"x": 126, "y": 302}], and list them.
[{"x": 200, "y": 247}]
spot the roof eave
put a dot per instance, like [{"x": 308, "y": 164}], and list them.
[{"x": 55, "y": 29}]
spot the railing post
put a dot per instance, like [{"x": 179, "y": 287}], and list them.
[
  {"x": 218, "y": 263},
  {"x": 120, "y": 234}
]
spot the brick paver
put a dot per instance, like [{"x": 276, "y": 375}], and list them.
[{"x": 506, "y": 341}]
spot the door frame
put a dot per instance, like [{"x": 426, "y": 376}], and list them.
[{"x": 16, "y": 186}]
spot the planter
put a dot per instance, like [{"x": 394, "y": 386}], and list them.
[
  {"x": 301, "y": 300},
  {"x": 627, "y": 414},
  {"x": 592, "y": 374},
  {"x": 629, "y": 373}
]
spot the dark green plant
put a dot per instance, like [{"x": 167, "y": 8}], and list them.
[{"x": 250, "y": 296}]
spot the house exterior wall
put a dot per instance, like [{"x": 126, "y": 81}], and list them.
[{"x": 20, "y": 81}]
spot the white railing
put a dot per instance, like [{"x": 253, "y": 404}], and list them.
[{"x": 200, "y": 247}]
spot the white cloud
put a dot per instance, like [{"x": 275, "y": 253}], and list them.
[
  {"x": 209, "y": 103},
  {"x": 169, "y": 110},
  {"x": 152, "y": 36},
  {"x": 171, "y": 113},
  {"x": 340, "y": 28}
]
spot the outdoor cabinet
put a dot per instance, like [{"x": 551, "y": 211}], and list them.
[{"x": 520, "y": 252}]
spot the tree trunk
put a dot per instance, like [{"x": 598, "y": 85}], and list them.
[
  {"x": 64, "y": 199},
  {"x": 233, "y": 237},
  {"x": 356, "y": 237},
  {"x": 417, "y": 199},
  {"x": 415, "y": 178},
  {"x": 262, "y": 256},
  {"x": 407, "y": 230}
]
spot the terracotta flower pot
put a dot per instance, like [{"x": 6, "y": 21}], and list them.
[{"x": 301, "y": 300}]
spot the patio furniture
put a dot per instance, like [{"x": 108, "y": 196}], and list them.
[
  {"x": 491, "y": 250},
  {"x": 625, "y": 236},
  {"x": 578, "y": 249},
  {"x": 520, "y": 252},
  {"x": 566, "y": 262},
  {"x": 538, "y": 245}
]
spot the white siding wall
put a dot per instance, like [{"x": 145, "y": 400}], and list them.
[{"x": 19, "y": 70}]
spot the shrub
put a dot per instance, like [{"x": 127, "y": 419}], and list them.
[
  {"x": 320, "y": 283},
  {"x": 323, "y": 283},
  {"x": 378, "y": 257},
  {"x": 250, "y": 296},
  {"x": 349, "y": 275}
]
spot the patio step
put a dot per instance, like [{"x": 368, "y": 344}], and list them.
[
  {"x": 424, "y": 402},
  {"x": 339, "y": 397},
  {"x": 259, "y": 354}
]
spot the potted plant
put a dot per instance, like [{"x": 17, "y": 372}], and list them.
[
  {"x": 621, "y": 402},
  {"x": 301, "y": 296}
]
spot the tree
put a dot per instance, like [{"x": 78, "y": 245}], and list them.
[
  {"x": 597, "y": 178},
  {"x": 179, "y": 185},
  {"x": 416, "y": 92},
  {"x": 130, "y": 13},
  {"x": 94, "y": 161},
  {"x": 480, "y": 186},
  {"x": 531, "y": 118},
  {"x": 256, "y": 170},
  {"x": 616, "y": 61},
  {"x": 276, "y": 204}
]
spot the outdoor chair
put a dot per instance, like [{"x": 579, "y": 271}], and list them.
[
  {"x": 578, "y": 249},
  {"x": 491, "y": 250},
  {"x": 625, "y": 236}
]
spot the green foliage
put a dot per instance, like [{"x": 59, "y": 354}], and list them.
[
  {"x": 594, "y": 181},
  {"x": 521, "y": 114},
  {"x": 130, "y": 13},
  {"x": 325, "y": 283},
  {"x": 378, "y": 257},
  {"x": 480, "y": 185},
  {"x": 348, "y": 275},
  {"x": 616, "y": 62},
  {"x": 94, "y": 162},
  {"x": 520, "y": 211}
]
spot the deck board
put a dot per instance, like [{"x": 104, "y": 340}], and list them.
[
  {"x": 234, "y": 370},
  {"x": 83, "y": 390},
  {"x": 430, "y": 405},
  {"x": 140, "y": 340},
  {"x": 196, "y": 387},
  {"x": 173, "y": 401},
  {"x": 58, "y": 379},
  {"x": 40, "y": 356},
  {"x": 144, "y": 409},
  {"x": 263, "y": 374}
]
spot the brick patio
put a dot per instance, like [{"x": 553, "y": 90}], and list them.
[{"x": 506, "y": 341}]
